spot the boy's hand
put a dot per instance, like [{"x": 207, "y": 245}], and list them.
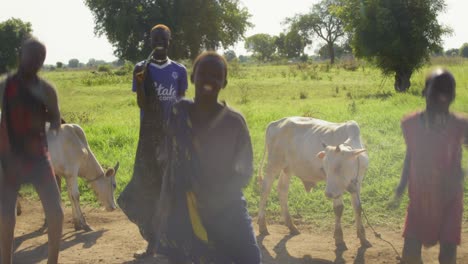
[
  {"x": 54, "y": 128},
  {"x": 394, "y": 203},
  {"x": 139, "y": 74}
]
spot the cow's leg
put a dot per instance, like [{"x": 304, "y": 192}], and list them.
[
  {"x": 338, "y": 208},
  {"x": 361, "y": 232},
  {"x": 267, "y": 183},
  {"x": 73, "y": 193},
  {"x": 283, "y": 189}
]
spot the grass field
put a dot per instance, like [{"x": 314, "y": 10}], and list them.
[{"x": 106, "y": 108}]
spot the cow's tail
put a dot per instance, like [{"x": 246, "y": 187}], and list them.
[{"x": 260, "y": 177}]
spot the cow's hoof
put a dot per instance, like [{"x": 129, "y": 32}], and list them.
[
  {"x": 341, "y": 246},
  {"x": 365, "y": 243},
  {"x": 83, "y": 227},
  {"x": 262, "y": 228},
  {"x": 294, "y": 231}
]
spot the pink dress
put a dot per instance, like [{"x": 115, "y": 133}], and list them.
[{"x": 435, "y": 179}]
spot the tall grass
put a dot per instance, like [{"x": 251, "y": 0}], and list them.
[{"x": 106, "y": 108}]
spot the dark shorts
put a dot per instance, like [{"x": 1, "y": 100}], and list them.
[{"x": 18, "y": 171}]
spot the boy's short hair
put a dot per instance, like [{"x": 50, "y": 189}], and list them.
[
  {"x": 211, "y": 54},
  {"x": 441, "y": 81},
  {"x": 163, "y": 27}
]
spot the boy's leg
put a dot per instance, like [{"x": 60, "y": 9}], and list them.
[
  {"x": 412, "y": 251},
  {"x": 233, "y": 236},
  {"x": 8, "y": 197},
  {"x": 447, "y": 253},
  {"x": 51, "y": 202}
]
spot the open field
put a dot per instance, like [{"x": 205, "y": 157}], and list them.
[{"x": 106, "y": 108}]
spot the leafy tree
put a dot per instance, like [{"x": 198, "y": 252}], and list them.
[
  {"x": 73, "y": 63},
  {"x": 338, "y": 50},
  {"x": 291, "y": 44},
  {"x": 452, "y": 52},
  {"x": 320, "y": 22},
  {"x": 464, "y": 50},
  {"x": 261, "y": 45},
  {"x": 195, "y": 24},
  {"x": 12, "y": 33},
  {"x": 230, "y": 55},
  {"x": 397, "y": 35},
  {"x": 59, "y": 65}
]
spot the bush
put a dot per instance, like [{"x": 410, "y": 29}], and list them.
[
  {"x": 464, "y": 50},
  {"x": 104, "y": 68}
]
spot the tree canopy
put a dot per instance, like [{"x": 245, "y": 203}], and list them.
[
  {"x": 398, "y": 35},
  {"x": 261, "y": 45},
  {"x": 12, "y": 33},
  {"x": 320, "y": 22},
  {"x": 464, "y": 50},
  {"x": 195, "y": 24}
]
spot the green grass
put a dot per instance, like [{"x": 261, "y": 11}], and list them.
[{"x": 106, "y": 108}]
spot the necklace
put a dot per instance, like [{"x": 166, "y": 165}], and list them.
[{"x": 160, "y": 61}]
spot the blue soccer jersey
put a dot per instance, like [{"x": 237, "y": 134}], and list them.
[{"x": 169, "y": 81}]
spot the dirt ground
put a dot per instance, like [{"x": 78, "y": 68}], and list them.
[{"x": 115, "y": 239}]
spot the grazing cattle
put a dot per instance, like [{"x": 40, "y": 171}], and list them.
[
  {"x": 72, "y": 157},
  {"x": 298, "y": 146}
]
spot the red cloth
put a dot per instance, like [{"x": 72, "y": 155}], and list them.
[
  {"x": 23, "y": 142},
  {"x": 435, "y": 179}
]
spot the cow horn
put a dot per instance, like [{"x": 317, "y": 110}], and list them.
[
  {"x": 337, "y": 148},
  {"x": 116, "y": 167}
]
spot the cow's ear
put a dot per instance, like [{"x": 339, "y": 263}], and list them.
[
  {"x": 357, "y": 152},
  {"x": 321, "y": 155},
  {"x": 110, "y": 172}
]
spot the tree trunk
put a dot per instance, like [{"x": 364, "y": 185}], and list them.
[
  {"x": 331, "y": 51},
  {"x": 402, "y": 81}
]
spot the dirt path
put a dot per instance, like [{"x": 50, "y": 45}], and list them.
[{"x": 115, "y": 240}]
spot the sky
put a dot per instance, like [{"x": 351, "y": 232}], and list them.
[{"x": 67, "y": 26}]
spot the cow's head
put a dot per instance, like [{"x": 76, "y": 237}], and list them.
[
  {"x": 104, "y": 187},
  {"x": 341, "y": 165}
]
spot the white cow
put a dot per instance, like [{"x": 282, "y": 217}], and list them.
[
  {"x": 72, "y": 157},
  {"x": 298, "y": 146}
]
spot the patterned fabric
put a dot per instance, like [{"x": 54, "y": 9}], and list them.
[
  {"x": 23, "y": 142},
  {"x": 193, "y": 227},
  {"x": 139, "y": 198},
  {"x": 435, "y": 179},
  {"x": 178, "y": 227}
]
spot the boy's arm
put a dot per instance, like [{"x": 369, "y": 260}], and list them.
[
  {"x": 404, "y": 177},
  {"x": 183, "y": 84},
  {"x": 395, "y": 202},
  {"x": 2, "y": 92},
  {"x": 51, "y": 102},
  {"x": 243, "y": 160},
  {"x": 138, "y": 82}
]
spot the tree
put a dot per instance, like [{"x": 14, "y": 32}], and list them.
[
  {"x": 452, "y": 52},
  {"x": 195, "y": 25},
  {"x": 291, "y": 44},
  {"x": 59, "y": 65},
  {"x": 230, "y": 55},
  {"x": 12, "y": 33},
  {"x": 320, "y": 22},
  {"x": 73, "y": 63},
  {"x": 261, "y": 45},
  {"x": 397, "y": 35},
  {"x": 324, "y": 51},
  {"x": 464, "y": 50}
]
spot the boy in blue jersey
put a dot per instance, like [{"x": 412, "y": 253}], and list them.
[{"x": 158, "y": 82}]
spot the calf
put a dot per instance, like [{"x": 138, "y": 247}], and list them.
[
  {"x": 298, "y": 146},
  {"x": 72, "y": 157}
]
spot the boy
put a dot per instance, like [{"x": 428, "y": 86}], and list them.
[
  {"x": 433, "y": 169},
  {"x": 203, "y": 212},
  {"x": 158, "y": 82},
  {"x": 27, "y": 103}
]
